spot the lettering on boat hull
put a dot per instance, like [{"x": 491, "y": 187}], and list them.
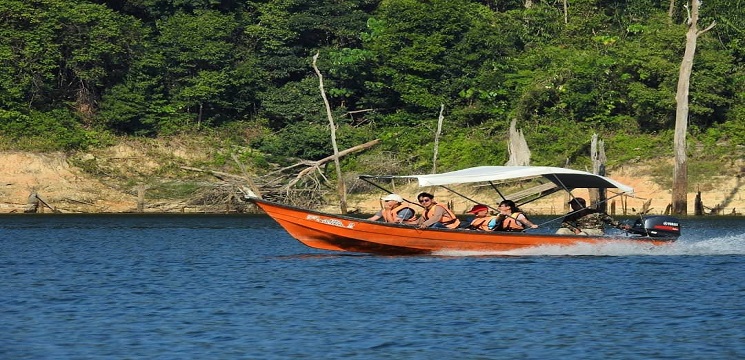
[{"x": 330, "y": 221}]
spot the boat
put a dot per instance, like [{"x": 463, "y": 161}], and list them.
[{"x": 326, "y": 231}]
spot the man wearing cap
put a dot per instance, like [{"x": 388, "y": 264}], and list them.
[
  {"x": 395, "y": 211},
  {"x": 585, "y": 221},
  {"x": 481, "y": 221}
]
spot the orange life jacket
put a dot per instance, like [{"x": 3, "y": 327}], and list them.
[
  {"x": 481, "y": 223},
  {"x": 448, "y": 218},
  {"x": 510, "y": 223},
  {"x": 390, "y": 215}
]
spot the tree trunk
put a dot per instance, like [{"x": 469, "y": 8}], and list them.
[
  {"x": 199, "y": 117},
  {"x": 141, "y": 198},
  {"x": 339, "y": 179},
  {"x": 698, "y": 206},
  {"x": 517, "y": 147},
  {"x": 671, "y": 10},
  {"x": 597, "y": 154},
  {"x": 437, "y": 138},
  {"x": 680, "y": 169},
  {"x": 84, "y": 104}
]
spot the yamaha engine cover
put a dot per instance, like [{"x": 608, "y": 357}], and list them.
[{"x": 657, "y": 226}]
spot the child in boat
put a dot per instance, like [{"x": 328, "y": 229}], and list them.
[{"x": 482, "y": 221}]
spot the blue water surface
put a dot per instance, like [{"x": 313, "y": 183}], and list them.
[{"x": 238, "y": 287}]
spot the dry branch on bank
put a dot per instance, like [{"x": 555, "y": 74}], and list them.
[{"x": 303, "y": 183}]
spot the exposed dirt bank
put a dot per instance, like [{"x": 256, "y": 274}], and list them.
[{"x": 69, "y": 189}]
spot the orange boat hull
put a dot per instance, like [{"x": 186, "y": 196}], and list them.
[{"x": 342, "y": 233}]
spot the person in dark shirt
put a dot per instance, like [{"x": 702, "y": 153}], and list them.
[{"x": 585, "y": 221}]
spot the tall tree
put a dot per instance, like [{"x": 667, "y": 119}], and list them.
[{"x": 680, "y": 170}]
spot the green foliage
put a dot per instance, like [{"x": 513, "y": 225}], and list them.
[
  {"x": 551, "y": 151},
  {"x": 294, "y": 102},
  {"x": 73, "y": 69},
  {"x": 122, "y": 110},
  {"x": 463, "y": 149},
  {"x": 426, "y": 51},
  {"x": 46, "y": 131},
  {"x": 700, "y": 174},
  {"x": 308, "y": 141},
  {"x": 172, "y": 190},
  {"x": 630, "y": 147},
  {"x": 27, "y": 54},
  {"x": 349, "y": 70},
  {"x": 713, "y": 88}
]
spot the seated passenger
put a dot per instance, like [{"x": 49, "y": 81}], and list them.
[
  {"x": 585, "y": 221},
  {"x": 511, "y": 218},
  {"x": 482, "y": 221},
  {"x": 435, "y": 215},
  {"x": 395, "y": 211}
]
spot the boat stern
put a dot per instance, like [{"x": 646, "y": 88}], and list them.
[{"x": 657, "y": 226}]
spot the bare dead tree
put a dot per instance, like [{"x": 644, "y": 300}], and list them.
[
  {"x": 597, "y": 154},
  {"x": 315, "y": 166},
  {"x": 437, "y": 138},
  {"x": 251, "y": 185},
  {"x": 517, "y": 147},
  {"x": 671, "y": 10},
  {"x": 680, "y": 169},
  {"x": 302, "y": 187},
  {"x": 339, "y": 179},
  {"x": 566, "y": 12}
]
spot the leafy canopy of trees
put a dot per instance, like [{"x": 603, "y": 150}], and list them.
[{"x": 74, "y": 70}]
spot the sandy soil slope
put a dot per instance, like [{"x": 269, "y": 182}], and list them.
[
  {"x": 62, "y": 186},
  {"x": 69, "y": 189}
]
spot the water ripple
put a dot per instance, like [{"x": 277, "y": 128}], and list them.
[{"x": 239, "y": 287}]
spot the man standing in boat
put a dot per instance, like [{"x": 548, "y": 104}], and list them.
[
  {"x": 395, "y": 211},
  {"x": 435, "y": 215},
  {"x": 585, "y": 221}
]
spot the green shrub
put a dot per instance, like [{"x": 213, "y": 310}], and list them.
[{"x": 46, "y": 131}]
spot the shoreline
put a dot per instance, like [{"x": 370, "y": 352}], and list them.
[{"x": 71, "y": 190}]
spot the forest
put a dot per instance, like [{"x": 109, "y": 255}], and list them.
[{"x": 76, "y": 74}]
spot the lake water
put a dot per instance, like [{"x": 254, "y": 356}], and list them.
[{"x": 238, "y": 287}]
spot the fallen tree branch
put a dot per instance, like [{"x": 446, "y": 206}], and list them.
[
  {"x": 218, "y": 174},
  {"x": 315, "y": 165},
  {"x": 268, "y": 184},
  {"x": 318, "y": 163}
]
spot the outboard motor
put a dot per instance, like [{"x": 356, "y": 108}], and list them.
[{"x": 656, "y": 226}]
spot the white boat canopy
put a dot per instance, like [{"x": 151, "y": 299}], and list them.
[{"x": 562, "y": 177}]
